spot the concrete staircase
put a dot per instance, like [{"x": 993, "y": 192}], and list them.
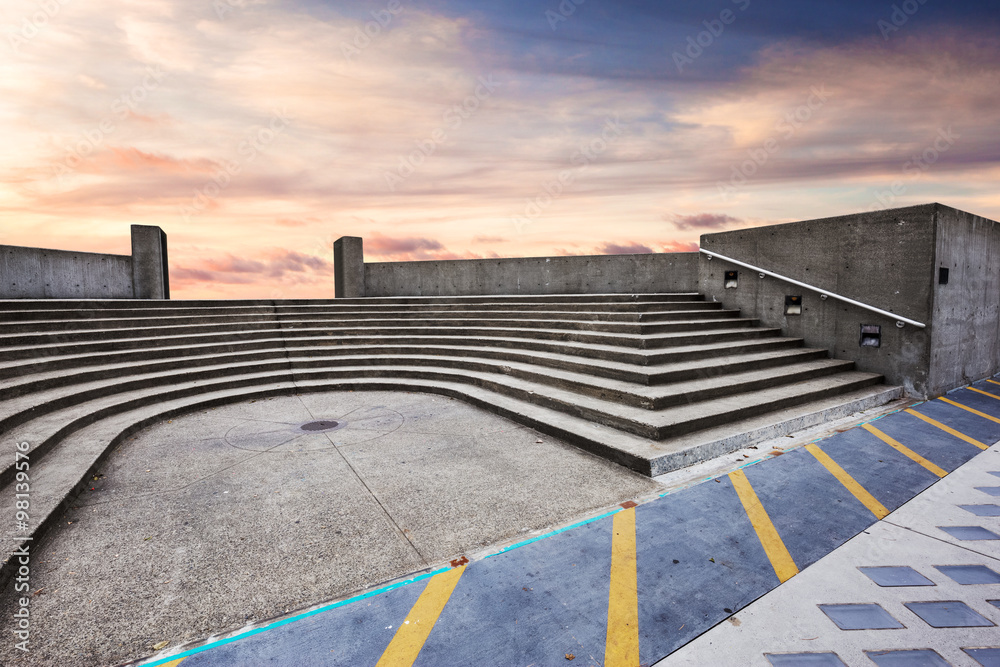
[{"x": 652, "y": 381}]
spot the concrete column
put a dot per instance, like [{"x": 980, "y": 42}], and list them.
[
  {"x": 348, "y": 267},
  {"x": 150, "y": 275}
]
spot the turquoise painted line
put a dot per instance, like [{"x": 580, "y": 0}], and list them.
[
  {"x": 292, "y": 619},
  {"x": 554, "y": 532}
]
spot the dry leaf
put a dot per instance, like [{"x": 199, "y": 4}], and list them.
[{"x": 160, "y": 645}]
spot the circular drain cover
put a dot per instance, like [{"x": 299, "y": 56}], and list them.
[{"x": 322, "y": 425}]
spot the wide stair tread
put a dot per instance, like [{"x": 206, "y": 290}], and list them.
[{"x": 741, "y": 376}]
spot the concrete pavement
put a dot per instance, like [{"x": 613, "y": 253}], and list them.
[{"x": 651, "y": 580}]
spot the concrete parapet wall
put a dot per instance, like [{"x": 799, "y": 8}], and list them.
[
  {"x": 39, "y": 273},
  {"x": 595, "y": 274},
  {"x": 965, "y": 320},
  {"x": 348, "y": 268},
  {"x": 887, "y": 259}
]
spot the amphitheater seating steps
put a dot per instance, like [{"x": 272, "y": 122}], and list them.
[{"x": 654, "y": 382}]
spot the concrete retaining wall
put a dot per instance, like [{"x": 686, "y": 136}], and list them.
[
  {"x": 38, "y": 273},
  {"x": 965, "y": 321},
  {"x": 887, "y": 259},
  {"x": 595, "y": 274}
]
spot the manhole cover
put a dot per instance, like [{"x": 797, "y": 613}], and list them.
[{"x": 322, "y": 425}]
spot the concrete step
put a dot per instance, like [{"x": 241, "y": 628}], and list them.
[
  {"x": 126, "y": 304},
  {"x": 56, "y": 479},
  {"x": 44, "y": 424},
  {"x": 70, "y": 372},
  {"x": 33, "y": 398},
  {"x": 627, "y": 309},
  {"x": 358, "y": 316},
  {"x": 355, "y": 334},
  {"x": 401, "y": 325},
  {"x": 61, "y": 358}
]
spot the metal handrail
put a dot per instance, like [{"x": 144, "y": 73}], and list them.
[{"x": 900, "y": 321}]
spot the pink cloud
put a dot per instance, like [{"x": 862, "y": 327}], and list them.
[
  {"x": 631, "y": 248},
  {"x": 702, "y": 221},
  {"x": 381, "y": 245}
]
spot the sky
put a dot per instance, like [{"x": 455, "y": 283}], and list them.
[{"x": 257, "y": 132}]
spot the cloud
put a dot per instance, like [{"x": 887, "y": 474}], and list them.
[
  {"x": 489, "y": 239},
  {"x": 702, "y": 221},
  {"x": 283, "y": 264},
  {"x": 631, "y": 248},
  {"x": 379, "y": 245},
  {"x": 679, "y": 246}
]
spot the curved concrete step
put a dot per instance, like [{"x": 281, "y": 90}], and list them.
[
  {"x": 126, "y": 304},
  {"x": 354, "y": 335},
  {"x": 44, "y": 424},
  {"x": 612, "y": 358},
  {"x": 57, "y": 478},
  {"x": 724, "y": 361},
  {"x": 159, "y": 319},
  {"x": 375, "y": 325},
  {"x": 55, "y": 393}
]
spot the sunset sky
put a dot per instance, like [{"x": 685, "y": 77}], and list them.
[{"x": 256, "y": 132}]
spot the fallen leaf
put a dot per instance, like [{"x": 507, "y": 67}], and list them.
[
  {"x": 160, "y": 645},
  {"x": 712, "y": 559},
  {"x": 570, "y": 656}
]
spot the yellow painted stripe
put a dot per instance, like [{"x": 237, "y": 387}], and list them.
[
  {"x": 967, "y": 408},
  {"x": 904, "y": 450},
  {"x": 174, "y": 663},
  {"x": 622, "y": 647},
  {"x": 775, "y": 549},
  {"x": 985, "y": 393},
  {"x": 867, "y": 499},
  {"x": 947, "y": 429},
  {"x": 993, "y": 381},
  {"x": 413, "y": 633}
]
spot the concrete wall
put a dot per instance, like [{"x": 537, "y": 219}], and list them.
[
  {"x": 596, "y": 274},
  {"x": 348, "y": 268},
  {"x": 965, "y": 320},
  {"x": 884, "y": 259},
  {"x": 150, "y": 272},
  {"x": 38, "y": 273}
]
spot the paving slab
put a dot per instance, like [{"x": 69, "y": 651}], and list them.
[{"x": 943, "y": 623}]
